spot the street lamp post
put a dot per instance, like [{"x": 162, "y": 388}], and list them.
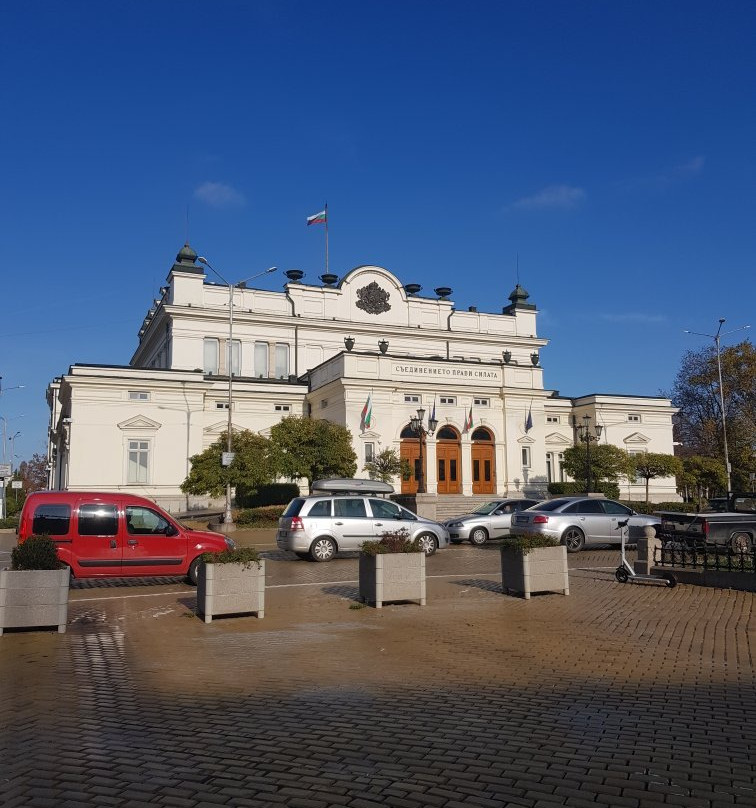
[
  {"x": 717, "y": 339},
  {"x": 228, "y": 519},
  {"x": 416, "y": 425},
  {"x": 12, "y": 441},
  {"x": 584, "y": 434}
]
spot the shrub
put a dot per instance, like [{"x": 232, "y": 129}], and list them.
[
  {"x": 524, "y": 544},
  {"x": 271, "y": 494},
  {"x": 260, "y": 517},
  {"x": 36, "y": 553},
  {"x": 604, "y": 487},
  {"x": 396, "y": 541},
  {"x": 239, "y": 555},
  {"x": 11, "y": 523},
  {"x": 651, "y": 507}
]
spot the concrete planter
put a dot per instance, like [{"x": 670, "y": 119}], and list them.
[
  {"x": 392, "y": 576},
  {"x": 231, "y": 589},
  {"x": 34, "y": 598},
  {"x": 543, "y": 569}
]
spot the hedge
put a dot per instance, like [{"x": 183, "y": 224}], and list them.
[
  {"x": 273, "y": 494},
  {"x": 260, "y": 517},
  {"x": 608, "y": 489}
]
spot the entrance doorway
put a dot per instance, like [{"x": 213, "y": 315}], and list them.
[
  {"x": 448, "y": 461},
  {"x": 409, "y": 450},
  {"x": 483, "y": 462}
]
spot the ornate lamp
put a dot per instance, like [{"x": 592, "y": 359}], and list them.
[
  {"x": 534, "y": 358},
  {"x": 383, "y": 346},
  {"x": 349, "y": 343},
  {"x": 507, "y": 356}
]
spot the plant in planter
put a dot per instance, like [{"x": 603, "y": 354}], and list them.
[
  {"x": 533, "y": 564},
  {"x": 231, "y": 582},
  {"x": 392, "y": 568},
  {"x": 34, "y": 591}
]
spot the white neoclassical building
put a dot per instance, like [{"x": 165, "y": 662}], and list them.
[{"x": 323, "y": 350}]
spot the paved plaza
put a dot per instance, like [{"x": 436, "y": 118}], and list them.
[{"x": 617, "y": 695}]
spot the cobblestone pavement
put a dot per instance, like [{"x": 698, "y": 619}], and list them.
[{"x": 617, "y": 695}]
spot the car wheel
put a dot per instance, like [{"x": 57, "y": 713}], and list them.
[
  {"x": 478, "y": 536},
  {"x": 573, "y": 539},
  {"x": 621, "y": 574},
  {"x": 193, "y": 574},
  {"x": 322, "y": 549},
  {"x": 740, "y": 543},
  {"x": 427, "y": 543}
]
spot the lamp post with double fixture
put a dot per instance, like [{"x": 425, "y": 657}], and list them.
[
  {"x": 584, "y": 434},
  {"x": 228, "y": 519},
  {"x": 416, "y": 425}
]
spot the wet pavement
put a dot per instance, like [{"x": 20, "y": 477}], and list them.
[{"x": 617, "y": 695}]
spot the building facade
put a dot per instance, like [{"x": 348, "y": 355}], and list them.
[{"x": 333, "y": 350}]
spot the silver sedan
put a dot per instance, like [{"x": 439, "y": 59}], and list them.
[
  {"x": 580, "y": 521},
  {"x": 489, "y": 521}
]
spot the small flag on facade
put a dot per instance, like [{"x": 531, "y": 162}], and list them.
[
  {"x": 318, "y": 218},
  {"x": 366, "y": 419},
  {"x": 468, "y": 421},
  {"x": 529, "y": 419},
  {"x": 433, "y": 411}
]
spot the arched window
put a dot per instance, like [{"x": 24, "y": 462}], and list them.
[
  {"x": 482, "y": 434},
  {"x": 408, "y": 433},
  {"x": 447, "y": 433}
]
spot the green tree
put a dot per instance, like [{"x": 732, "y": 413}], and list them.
[
  {"x": 699, "y": 423},
  {"x": 310, "y": 448},
  {"x": 650, "y": 465},
  {"x": 701, "y": 477},
  {"x": 607, "y": 463},
  {"x": 251, "y": 467},
  {"x": 384, "y": 466}
]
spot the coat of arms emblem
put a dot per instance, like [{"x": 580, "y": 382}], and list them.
[{"x": 373, "y": 299}]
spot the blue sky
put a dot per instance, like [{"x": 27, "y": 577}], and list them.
[{"x": 611, "y": 145}]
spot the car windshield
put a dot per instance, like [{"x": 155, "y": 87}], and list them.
[
  {"x": 549, "y": 505},
  {"x": 489, "y": 507}
]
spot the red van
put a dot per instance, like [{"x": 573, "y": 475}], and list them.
[{"x": 103, "y": 535}]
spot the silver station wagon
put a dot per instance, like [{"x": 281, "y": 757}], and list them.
[
  {"x": 491, "y": 520},
  {"x": 342, "y": 514}
]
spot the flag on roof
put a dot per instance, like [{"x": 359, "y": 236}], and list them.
[
  {"x": 366, "y": 418},
  {"x": 319, "y": 218},
  {"x": 529, "y": 419}
]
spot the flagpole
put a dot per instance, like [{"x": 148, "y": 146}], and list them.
[{"x": 326, "y": 224}]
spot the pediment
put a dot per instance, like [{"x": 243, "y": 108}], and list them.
[
  {"x": 219, "y": 427},
  {"x": 370, "y": 434},
  {"x": 526, "y": 439},
  {"x": 637, "y": 438},
  {"x": 557, "y": 439},
  {"x": 139, "y": 422}
]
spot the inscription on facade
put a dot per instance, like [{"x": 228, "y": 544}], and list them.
[
  {"x": 448, "y": 373},
  {"x": 373, "y": 299}
]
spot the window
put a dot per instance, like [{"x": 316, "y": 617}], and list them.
[
  {"x": 385, "y": 509},
  {"x": 282, "y": 407},
  {"x": 480, "y": 402},
  {"x": 98, "y": 520},
  {"x": 51, "y": 520},
  {"x": 526, "y": 457},
  {"x": 221, "y": 405},
  {"x": 615, "y": 508},
  {"x": 411, "y": 399},
  {"x": 447, "y": 400},
  {"x": 282, "y": 360},
  {"x": 350, "y": 508},
  {"x": 369, "y": 452},
  {"x": 552, "y": 419},
  {"x": 323, "y": 403},
  {"x": 138, "y": 395},
  {"x": 138, "y": 461},
  {"x": 554, "y": 467},
  {"x": 144, "y": 521},
  {"x": 633, "y": 418},
  {"x": 210, "y": 360},
  {"x": 235, "y": 357},
  {"x": 261, "y": 360},
  {"x": 322, "y": 508}
]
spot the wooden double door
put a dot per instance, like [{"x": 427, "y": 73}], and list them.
[
  {"x": 448, "y": 466},
  {"x": 483, "y": 468}
]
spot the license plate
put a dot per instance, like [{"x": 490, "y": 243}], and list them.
[{"x": 283, "y": 533}]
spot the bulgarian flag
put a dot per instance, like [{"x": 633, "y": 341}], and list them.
[
  {"x": 319, "y": 218},
  {"x": 366, "y": 419},
  {"x": 469, "y": 421}
]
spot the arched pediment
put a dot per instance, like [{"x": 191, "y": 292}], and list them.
[{"x": 141, "y": 423}]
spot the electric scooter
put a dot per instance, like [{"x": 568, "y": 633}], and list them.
[{"x": 625, "y": 571}]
